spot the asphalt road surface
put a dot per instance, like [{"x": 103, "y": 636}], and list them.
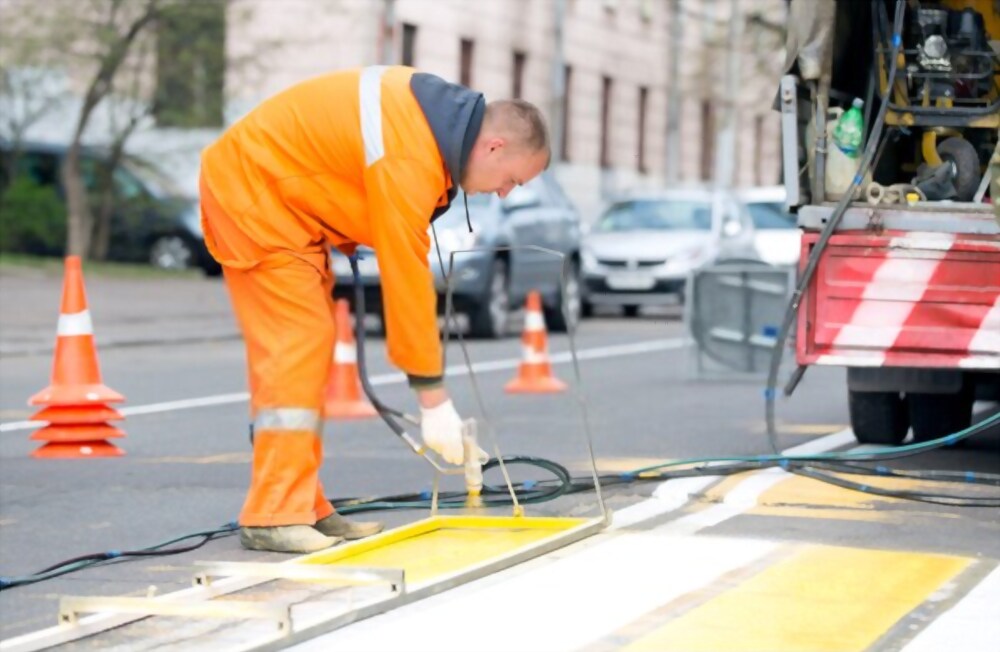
[{"x": 789, "y": 540}]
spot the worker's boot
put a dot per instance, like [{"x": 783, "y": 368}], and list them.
[
  {"x": 336, "y": 525},
  {"x": 286, "y": 538}
]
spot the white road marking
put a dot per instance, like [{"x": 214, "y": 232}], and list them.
[
  {"x": 972, "y": 624},
  {"x": 573, "y": 597},
  {"x": 596, "y": 353},
  {"x": 560, "y": 605}
]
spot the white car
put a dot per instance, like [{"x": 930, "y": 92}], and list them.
[
  {"x": 777, "y": 238},
  {"x": 644, "y": 246}
]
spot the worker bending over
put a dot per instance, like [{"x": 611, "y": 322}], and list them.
[{"x": 367, "y": 156}]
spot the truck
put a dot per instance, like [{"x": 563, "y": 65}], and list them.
[{"x": 900, "y": 273}]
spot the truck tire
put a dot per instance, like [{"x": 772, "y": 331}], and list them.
[
  {"x": 878, "y": 417},
  {"x": 938, "y": 415}
]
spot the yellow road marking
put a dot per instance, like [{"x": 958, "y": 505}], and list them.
[
  {"x": 434, "y": 548},
  {"x": 797, "y": 496},
  {"x": 824, "y": 599}
]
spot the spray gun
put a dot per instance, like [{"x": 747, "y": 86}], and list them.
[{"x": 474, "y": 457}]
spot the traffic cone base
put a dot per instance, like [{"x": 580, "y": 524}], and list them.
[
  {"x": 75, "y": 450},
  {"x": 534, "y": 374},
  {"x": 349, "y": 410},
  {"x": 342, "y": 397},
  {"x": 75, "y": 395},
  {"x": 78, "y": 414},
  {"x": 76, "y": 433},
  {"x": 535, "y": 386}
]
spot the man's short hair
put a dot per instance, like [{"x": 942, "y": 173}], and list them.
[{"x": 521, "y": 121}]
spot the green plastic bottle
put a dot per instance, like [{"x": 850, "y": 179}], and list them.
[{"x": 848, "y": 133}]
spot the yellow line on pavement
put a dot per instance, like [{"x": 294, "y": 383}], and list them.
[
  {"x": 823, "y": 599},
  {"x": 802, "y": 497}
]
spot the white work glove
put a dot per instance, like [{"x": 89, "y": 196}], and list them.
[{"x": 441, "y": 429}]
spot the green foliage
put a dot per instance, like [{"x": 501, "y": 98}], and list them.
[
  {"x": 32, "y": 218},
  {"x": 190, "y": 64}
]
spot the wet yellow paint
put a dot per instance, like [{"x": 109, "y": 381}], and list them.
[
  {"x": 823, "y": 599},
  {"x": 436, "y": 548}
]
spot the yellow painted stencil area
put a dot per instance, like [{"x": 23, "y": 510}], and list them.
[
  {"x": 428, "y": 551},
  {"x": 823, "y": 599}
]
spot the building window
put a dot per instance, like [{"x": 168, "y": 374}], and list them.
[
  {"x": 567, "y": 112},
  {"x": 517, "y": 78},
  {"x": 465, "y": 73},
  {"x": 606, "y": 89},
  {"x": 191, "y": 64},
  {"x": 409, "y": 44},
  {"x": 707, "y": 140},
  {"x": 640, "y": 153}
]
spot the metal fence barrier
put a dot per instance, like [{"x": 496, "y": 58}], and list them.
[{"x": 733, "y": 314}]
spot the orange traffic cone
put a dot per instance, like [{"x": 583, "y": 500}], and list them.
[
  {"x": 343, "y": 398},
  {"x": 76, "y": 396},
  {"x": 534, "y": 375}
]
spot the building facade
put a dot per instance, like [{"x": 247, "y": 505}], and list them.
[
  {"x": 614, "y": 58},
  {"x": 639, "y": 93}
]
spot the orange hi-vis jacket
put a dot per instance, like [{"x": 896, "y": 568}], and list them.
[{"x": 366, "y": 156}]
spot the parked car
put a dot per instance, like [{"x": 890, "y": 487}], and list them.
[
  {"x": 489, "y": 285},
  {"x": 151, "y": 221},
  {"x": 777, "y": 238},
  {"x": 642, "y": 248}
]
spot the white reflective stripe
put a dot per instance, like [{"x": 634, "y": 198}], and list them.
[
  {"x": 371, "y": 113},
  {"x": 534, "y": 321},
  {"x": 77, "y": 323},
  {"x": 531, "y": 356},
  {"x": 287, "y": 419},
  {"x": 987, "y": 338},
  {"x": 345, "y": 353}
]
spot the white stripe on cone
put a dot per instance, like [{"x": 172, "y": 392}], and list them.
[
  {"x": 534, "y": 321},
  {"x": 76, "y": 323},
  {"x": 345, "y": 353}
]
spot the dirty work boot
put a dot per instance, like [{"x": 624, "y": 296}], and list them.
[
  {"x": 286, "y": 538},
  {"x": 336, "y": 525}
]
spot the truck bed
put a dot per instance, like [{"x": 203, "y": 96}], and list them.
[{"x": 923, "y": 290}]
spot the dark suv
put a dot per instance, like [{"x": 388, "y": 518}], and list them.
[
  {"x": 491, "y": 283},
  {"x": 151, "y": 220}
]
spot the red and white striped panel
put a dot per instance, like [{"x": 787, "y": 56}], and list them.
[{"x": 905, "y": 299}]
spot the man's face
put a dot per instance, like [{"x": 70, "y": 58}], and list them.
[{"x": 495, "y": 166}]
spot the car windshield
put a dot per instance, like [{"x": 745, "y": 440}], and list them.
[
  {"x": 657, "y": 215},
  {"x": 770, "y": 215},
  {"x": 156, "y": 182}
]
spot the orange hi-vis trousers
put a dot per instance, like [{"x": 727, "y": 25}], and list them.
[{"x": 285, "y": 308}]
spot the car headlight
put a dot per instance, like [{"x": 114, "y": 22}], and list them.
[{"x": 588, "y": 259}]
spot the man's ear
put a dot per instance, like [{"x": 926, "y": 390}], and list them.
[{"x": 496, "y": 143}]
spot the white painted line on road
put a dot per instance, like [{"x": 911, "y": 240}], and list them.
[
  {"x": 395, "y": 378},
  {"x": 640, "y": 570},
  {"x": 633, "y": 572},
  {"x": 674, "y": 494},
  {"x": 563, "y": 604},
  {"x": 972, "y": 624}
]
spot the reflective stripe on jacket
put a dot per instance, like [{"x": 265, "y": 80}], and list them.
[{"x": 365, "y": 156}]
